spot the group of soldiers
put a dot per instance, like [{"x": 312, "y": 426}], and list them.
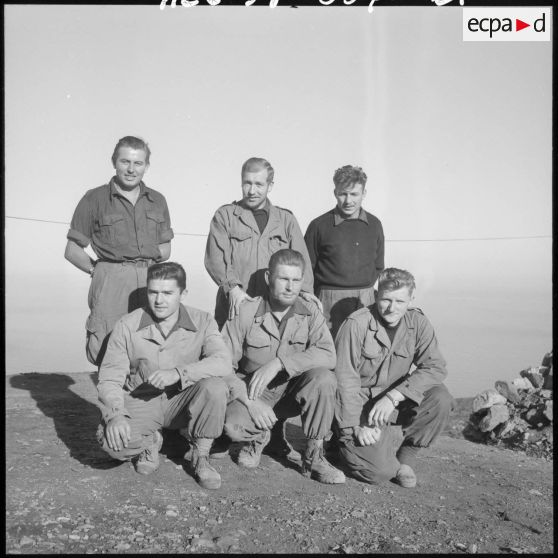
[{"x": 308, "y": 325}]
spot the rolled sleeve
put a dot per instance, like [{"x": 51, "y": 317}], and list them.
[
  {"x": 81, "y": 226},
  {"x": 166, "y": 233},
  {"x": 348, "y": 343}
]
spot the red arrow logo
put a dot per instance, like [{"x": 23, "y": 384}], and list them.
[{"x": 519, "y": 25}]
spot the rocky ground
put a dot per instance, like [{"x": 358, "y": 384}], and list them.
[{"x": 64, "y": 496}]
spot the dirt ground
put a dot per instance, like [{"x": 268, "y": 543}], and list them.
[{"x": 63, "y": 495}]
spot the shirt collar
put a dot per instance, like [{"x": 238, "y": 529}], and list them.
[
  {"x": 240, "y": 207},
  {"x": 338, "y": 218},
  {"x": 144, "y": 190},
  {"x": 184, "y": 320},
  {"x": 297, "y": 308}
]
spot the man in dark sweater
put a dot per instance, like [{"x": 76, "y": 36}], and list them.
[{"x": 346, "y": 248}]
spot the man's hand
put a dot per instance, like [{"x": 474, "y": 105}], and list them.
[
  {"x": 366, "y": 436},
  {"x": 262, "y": 414},
  {"x": 118, "y": 433},
  {"x": 262, "y": 376},
  {"x": 309, "y": 297},
  {"x": 380, "y": 413},
  {"x": 163, "y": 378},
  {"x": 236, "y": 297}
]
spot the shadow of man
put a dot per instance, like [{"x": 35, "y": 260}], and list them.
[{"x": 75, "y": 419}]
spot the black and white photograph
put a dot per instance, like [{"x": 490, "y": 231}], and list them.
[{"x": 278, "y": 277}]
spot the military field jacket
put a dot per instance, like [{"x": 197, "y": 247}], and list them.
[{"x": 368, "y": 361}]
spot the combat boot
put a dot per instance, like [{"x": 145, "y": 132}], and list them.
[
  {"x": 251, "y": 452},
  {"x": 147, "y": 461},
  {"x": 278, "y": 445},
  {"x": 206, "y": 476},
  {"x": 316, "y": 466}
]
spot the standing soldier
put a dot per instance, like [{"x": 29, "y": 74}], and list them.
[
  {"x": 346, "y": 247},
  {"x": 128, "y": 227}
]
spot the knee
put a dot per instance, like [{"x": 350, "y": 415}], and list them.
[
  {"x": 371, "y": 472},
  {"x": 440, "y": 400},
  {"x": 323, "y": 379},
  {"x": 234, "y": 421},
  {"x": 213, "y": 388}
]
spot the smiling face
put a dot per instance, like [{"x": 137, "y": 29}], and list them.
[
  {"x": 130, "y": 166},
  {"x": 284, "y": 285},
  {"x": 164, "y": 297},
  {"x": 349, "y": 199},
  {"x": 255, "y": 188},
  {"x": 392, "y": 305}
]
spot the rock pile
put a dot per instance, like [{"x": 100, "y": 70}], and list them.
[{"x": 518, "y": 413}]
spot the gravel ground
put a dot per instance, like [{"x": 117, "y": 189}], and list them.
[{"x": 63, "y": 495}]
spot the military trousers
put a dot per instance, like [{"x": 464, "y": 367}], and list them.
[
  {"x": 421, "y": 424},
  {"x": 199, "y": 408},
  {"x": 116, "y": 289},
  {"x": 310, "y": 395}
]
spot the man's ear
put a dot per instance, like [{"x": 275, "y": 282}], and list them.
[
  {"x": 266, "y": 277},
  {"x": 270, "y": 186},
  {"x": 183, "y": 295}
]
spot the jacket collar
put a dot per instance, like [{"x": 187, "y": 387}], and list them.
[
  {"x": 184, "y": 320},
  {"x": 297, "y": 308}
]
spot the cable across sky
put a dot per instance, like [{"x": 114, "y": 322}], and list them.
[{"x": 525, "y": 237}]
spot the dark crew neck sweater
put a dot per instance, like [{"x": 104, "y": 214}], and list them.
[{"x": 349, "y": 255}]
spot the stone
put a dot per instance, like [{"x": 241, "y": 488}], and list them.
[
  {"x": 547, "y": 359},
  {"x": 486, "y": 399},
  {"x": 548, "y": 410},
  {"x": 523, "y": 383},
  {"x": 534, "y": 376},
  {"x": 508, "y": 390},
  {"x": 548, "y": 380},
  {"x": 546, "y": 394},
  {"x": 497, "y": 414}
]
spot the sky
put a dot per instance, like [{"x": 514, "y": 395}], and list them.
[{"x": 455, "y": 138}]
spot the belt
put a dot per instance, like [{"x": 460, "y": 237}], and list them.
[{"x": 136, "y": 263}]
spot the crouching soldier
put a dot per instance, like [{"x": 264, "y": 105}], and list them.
[
  {"x": 162, "y": 369},
  {"x": 376, "y": 348},
  {"x": 283, "y": 351}
]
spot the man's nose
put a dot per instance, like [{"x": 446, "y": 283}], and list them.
[
  {"x": 158, "y": 299},
  {"x": 252, "y": 189},
  {"x": 130, "y": 168},
  {"x": 289, "y": 285}
]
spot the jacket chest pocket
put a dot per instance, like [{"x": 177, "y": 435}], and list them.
[
  {"x": 278, "y": 242},
  {"x": 155, "y": 222},
  {"x": 113, "y": 229},
  {"x": 298, "y": 342},
  {"x": 240, "y": 242},
  {"x": 257, "y": 350}
]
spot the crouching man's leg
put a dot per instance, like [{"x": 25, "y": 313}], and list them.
[
  {"x": 144, "y": 441},
  {"x": 240, "y": 427},
  {"x": 312, "y": 395},
  {"x": 421, "y": 426},
  {"x": 199, "y": 412},
  {"x": 373, "y": 464}
]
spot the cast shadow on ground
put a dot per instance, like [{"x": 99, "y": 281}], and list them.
[{"x": 75, "y": 419}]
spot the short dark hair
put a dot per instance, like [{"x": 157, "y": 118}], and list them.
[
  {"x": 349, "y": 175},
  {"x": 257, "y": 163},
  {"x": 286, "y": 257},
  {"x": 134, "y": 143},
  {"x": 167, "y": 270},
  {"x": 392, "y": 279}
]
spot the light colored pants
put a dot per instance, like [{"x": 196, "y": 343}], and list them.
[
  {"x": 199, "y": 408},
  {"x": 115, "y": 290},
  {"x": 339, "y": 304},
  {"x": 310, "y": 395},
  {"x": 421, "y": 426}
]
